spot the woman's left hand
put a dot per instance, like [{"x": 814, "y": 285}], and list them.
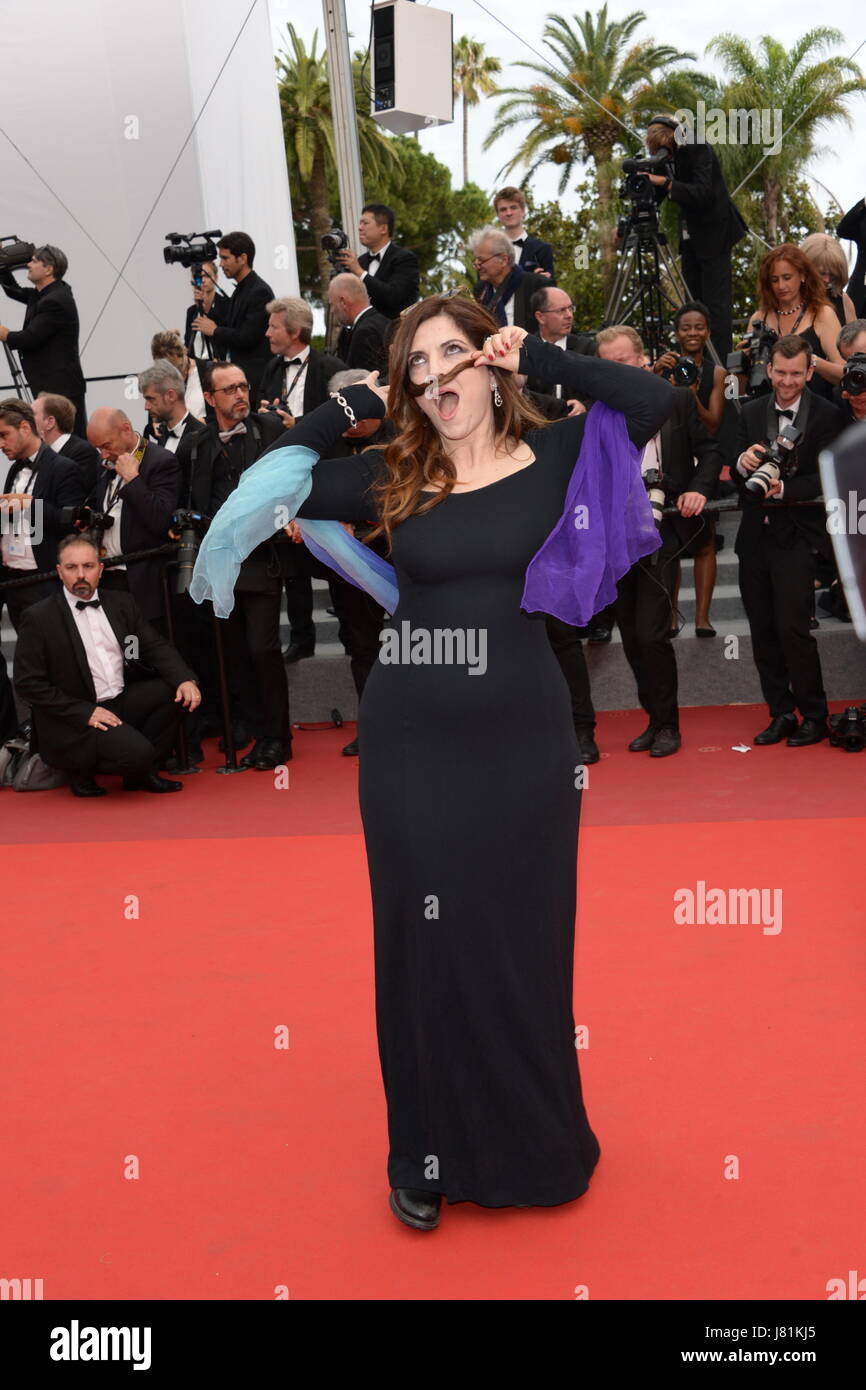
[{"x": 501, "y": 349}]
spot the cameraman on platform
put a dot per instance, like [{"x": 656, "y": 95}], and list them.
[
  {"x": 777, "y": 546},
  {"x": 48, "y": 339},
  {"x": 710, "y": 224}
]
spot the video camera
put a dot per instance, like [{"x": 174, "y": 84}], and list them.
[
  {"x": 637, "y": 190},
  {"x": 14, "y": 253},
  {"x": 854, "y": 375},
  {"x": 778, "y": 458},
  {"x": 752, "y": 361},
  {"x": 334, "y": 241},
  {"x": 191, "y": 249}
]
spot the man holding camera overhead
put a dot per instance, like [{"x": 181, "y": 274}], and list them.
[
  {"x": 777, "y": 545},
  {"x": 48, "y": 339}
]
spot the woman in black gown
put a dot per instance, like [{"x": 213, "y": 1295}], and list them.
[{"x": 468, "y": 776}]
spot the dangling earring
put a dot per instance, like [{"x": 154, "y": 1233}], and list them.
[{"x": 497, "y": 399}]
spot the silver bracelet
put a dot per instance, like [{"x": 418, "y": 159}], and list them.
[{"x": 341, "y": 400}]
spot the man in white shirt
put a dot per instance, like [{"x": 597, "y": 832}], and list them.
[
  {"x": 530, "y": 251},
  {"x": 163, "y": 391},
  {"x": 389, "y": 272},
  {"x": 84, "y": 663},
  {"x": 55, "y": 421}
]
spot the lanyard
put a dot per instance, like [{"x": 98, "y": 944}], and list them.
[{"x": 295, "y": 378}]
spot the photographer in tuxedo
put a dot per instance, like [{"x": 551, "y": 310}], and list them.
[
  {"x": 851, "y": 340},
  {"x": 163, "y": 391},
  {"x": 361, "y": 344},
  {"x": 240, "y": 335},
  {"x": 38, "y": 484},
  {"x": 48, "y": 340},
  {"x": 211, "y": 463},
  {"x": 388, "y": 272},
  {"x": 206, "y": 300},
  {"x": 778, "y": 546},
  {"x": 137, "y": 492},
  {"x": 55, "y": 421},
  {"x": 689, "y": 462},
  {"x": 710, "y": 223},
  {"x": 105, "y": 690},
  {"x": 505, "y": 289},
  {"x": 529, "y": 251}
]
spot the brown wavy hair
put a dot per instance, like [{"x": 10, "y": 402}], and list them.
[
  {"x": 416, "y": 458},
  {"x": 814, "y": 296}
]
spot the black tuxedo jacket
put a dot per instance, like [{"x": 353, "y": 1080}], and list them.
[
  {"x": 190, "y": 426},
  {"x": 526, "y": 287},
  {"x": 51, "y": 671},
  {"x": 786, "y": 524},
  {"x": 706, "y": 207},
  {"x": 583, "y": 343},
  {"x": 691, "y": 462},
  {"x": 57, "y": 483},
  {"x": 321, "y": 366},
  {"x": 241, "y": 335},
  {"x": 149, "y": 503},
  {"x": 538, "y": 255},
  {"x": 853, "y": 228},
  {"x": 87, "y": 458},
  {"x": 395, "y": 285},
  {"x": 48, "y": 340},
  {"x": 363, "y": 344}
]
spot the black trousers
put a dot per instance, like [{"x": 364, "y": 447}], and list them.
[
  {"x": 299, "y": 596},
  {"x": 709, "y": 280},
  {"x": 137, "y": 746},
  {"x": 20, "y": 598},
  {"x": 778, "y": 592},
  {"x": 569, "y": 653},
  {"x": 643, "y": 611},
  {"x": 257, "y": 671}
]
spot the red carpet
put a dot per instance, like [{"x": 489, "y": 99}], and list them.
[{"x": 148, "y": 1031}]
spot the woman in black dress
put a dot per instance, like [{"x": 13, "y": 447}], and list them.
[
  {"x": 468, "y": 787},
  {"x": 792, "y": 299}
]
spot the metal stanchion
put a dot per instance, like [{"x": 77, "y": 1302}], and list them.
[{"x": 185, "y": 768}]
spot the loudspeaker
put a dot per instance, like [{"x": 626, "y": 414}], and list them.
[{"x": 412, "y": 66}]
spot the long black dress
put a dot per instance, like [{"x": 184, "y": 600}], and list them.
[{"x": 470, "y": 811}]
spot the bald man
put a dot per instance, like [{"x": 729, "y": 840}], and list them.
[
  {"x": 360, "y": 343},
  {"x": 137, "y": 491}
]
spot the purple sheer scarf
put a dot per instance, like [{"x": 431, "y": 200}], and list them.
[{"x": 606, "y": 525}]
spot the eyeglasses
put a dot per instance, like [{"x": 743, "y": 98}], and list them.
[
  {"x": 482, "y": 260},
  {"x": 241, "y": 388},
  {"x": 565, "y": 309}
]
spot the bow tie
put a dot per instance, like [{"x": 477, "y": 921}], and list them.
[
  {"x": 376, "y": 256},
  {"x": 518, "y": 241},
  {"x": 88, "y": 603},
  {"x": 789, "y": 414},
  {"x": 168, "y": 434},
  {"x": 294, "y": 361},
  {"x": 226, "y": 435}
]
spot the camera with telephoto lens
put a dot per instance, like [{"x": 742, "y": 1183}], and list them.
[
  {"x": 14, "y": 253},
  {"x": 848, "y": 729},
  {"x": 653, "y": 481},
  {"x": 334, "y": 241},
  {"x": 854, "y": 375},
  {"x": 684, "y": 372},
  {"x": 752, "y": 361},
  {"x": 191, "y": 249},
  {"x": 778, "y": 458},
  {"x": 192, "y": 527},
  {"x": 84, "y": 518}
]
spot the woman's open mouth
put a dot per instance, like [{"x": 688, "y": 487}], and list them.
[{"x": 447, "y": 405}]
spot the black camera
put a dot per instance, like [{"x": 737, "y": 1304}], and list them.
[
  {"x": 191, "y": 249},
  {"x": 192, "y": 526},
  {"x": 753, "y": 360},
  {"x": 848, "y": 729},
  {"x": 684, "y": 372},
  {"x": 778, "y": 458},
  {"x": 334, "y": 241},
  {"x": 282, "y": 404},
  {"x": 15, "y": 254},
  {"x": 85, "y": 519},
  {"x": 854, "y": 375},
  {"x": 653, "y": 481},
  {"x": 636, "y": 187}
]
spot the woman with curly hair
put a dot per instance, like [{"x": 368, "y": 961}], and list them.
[{"x": 792, "y": 299}]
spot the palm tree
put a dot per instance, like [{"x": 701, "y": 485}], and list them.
[
  {"x": 603, "y": 85},
  {"x": 308, "y": 131},
  {"x": 808, "y": 88},
  {"x": 473, "y": 78}
]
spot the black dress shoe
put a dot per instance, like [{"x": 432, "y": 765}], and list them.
[
  {"x": 151, "y": 783},
  {"x": 643, "y": 741},
  {"x": 417, "y": 1209},
  {"x": 598, "y": 634},
  {"x": 267, "y": 754},
  {"x": 666, "y": 741},
  {"x": 85, "y": 786},
  {"x": 810, "y": 731},
  {"x": 777, "y": 729},
  {"x": 351, "y": 749},
  {"x": 296, "y": 651},
  {"x": 588, "y": 747}
]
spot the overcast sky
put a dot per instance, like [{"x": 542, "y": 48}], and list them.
[{"x": 689, "y": 26}]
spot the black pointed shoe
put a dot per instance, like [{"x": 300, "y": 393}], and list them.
[
  {"x": 151, "y": 782},
  {"x": 417, "y": 1209},
  {"x": 351, "y": 749},
  {"x": 644, "y": 741},
  {"x": 85, "y": 786},
  {"x": 666, "y": 741},
  {"x": 783, "y": 726},
  {"x": 588, "y": 747},
  {"x": 810, "y": 731}
]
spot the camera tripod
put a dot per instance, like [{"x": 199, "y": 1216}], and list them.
[
  {"x": 638, "y": 287},
  {"x": 22, "y": 390}
]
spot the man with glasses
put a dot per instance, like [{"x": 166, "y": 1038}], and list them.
[
  {"x": 211, "y": 463},
  {"x": 504, "y": 288}
]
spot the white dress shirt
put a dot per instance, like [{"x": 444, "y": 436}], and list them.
[
  {"x": 518, "y": 250},
  {"x": 375, "y": 266},
  {"x": 114, "y": 507},
  {"x": 16, "y": 540},
  {"x": 652, "y": 455},
  {"x": 59, "y": 442},
  {"x": 101, "y": 647},
  {"x": 173, "y": 439},
  {"x": 296, "y": 378},
  {"x": 193, "y": 396}
]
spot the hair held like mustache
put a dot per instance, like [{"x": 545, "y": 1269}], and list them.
[{"x": 432, "y": 386}]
